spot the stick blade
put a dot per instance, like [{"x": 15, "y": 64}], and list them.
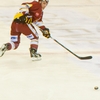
[{"x": 85, "y": 58}]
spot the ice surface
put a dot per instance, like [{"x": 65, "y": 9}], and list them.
[{"x": 59, "y": 75}]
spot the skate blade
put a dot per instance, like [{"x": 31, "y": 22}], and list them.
[
  {"x": 2, "y": 52},
  {"x": 35, "y": 59}
]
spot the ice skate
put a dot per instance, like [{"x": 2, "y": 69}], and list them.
[
  {"x": 34, "y": 55},
  {"x": 3, "y": 49}
]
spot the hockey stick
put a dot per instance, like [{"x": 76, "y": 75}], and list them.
[{"x": 81, "y": 58}]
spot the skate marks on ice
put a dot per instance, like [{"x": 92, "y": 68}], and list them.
[
  {"x": 74, "y": 29},
  {"x": 51, "y": 78}
]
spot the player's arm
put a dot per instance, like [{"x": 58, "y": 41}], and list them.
[
  {"x": 23, "y": 15},
  {"x": 45, "y": 31}
]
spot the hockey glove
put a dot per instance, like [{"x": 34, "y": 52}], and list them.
[
  {"x": 46, "y": 33},
  {"x": 23, "y": 19}
]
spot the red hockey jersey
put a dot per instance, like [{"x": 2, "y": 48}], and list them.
[{"x": 35, "y": 10}]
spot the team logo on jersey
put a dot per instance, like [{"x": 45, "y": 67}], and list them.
[{"x": 36, "y": 14}]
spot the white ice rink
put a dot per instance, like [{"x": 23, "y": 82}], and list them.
[{"x": 59, "y": 75}]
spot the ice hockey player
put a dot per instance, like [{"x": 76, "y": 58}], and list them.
[{"x": 30, "y": 12}]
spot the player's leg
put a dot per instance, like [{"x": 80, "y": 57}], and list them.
[
  {"x": 15, "y": 40},
  {"x": 33, "y": 50},
  {"x": 4, "y": 48},
  {"x": 34, "y": 47},
  {"x": 8, "y": 46},
  {"x": 33, "y": 36}
]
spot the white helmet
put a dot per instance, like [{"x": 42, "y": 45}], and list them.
[{"x": 44, "y": 0}]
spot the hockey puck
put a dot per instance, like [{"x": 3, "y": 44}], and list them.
[{"x": 96, "y": 87}]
